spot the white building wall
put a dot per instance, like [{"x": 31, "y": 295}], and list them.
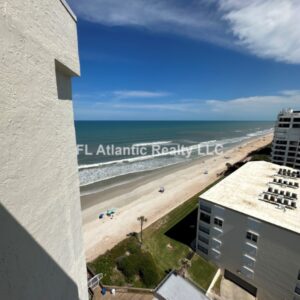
[
  {"x": 41, "y": 250},
  {"x": 286, "y": 143}
]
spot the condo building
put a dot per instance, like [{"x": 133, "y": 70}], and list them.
[
  {"x": 286, "y": 143},
  {"x": 249, "y": 225},
  {"x": 41, "y": 248}
]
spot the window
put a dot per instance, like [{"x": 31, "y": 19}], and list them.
[
  {"x": 205, "y": 207},
  {"x": 247, "y": 272},
  {"x": 252, "y": 236},
  {"x": 299, "y": 275},
  {"x": 279, "y": 153},
  {"x": 280, "y": 142},
  {"x": 216, "y": 243},
  {"x": 218, "y": 222},
  {"x": 203, "y": 239},
  {"x": 250, "y": 249},
  {"x": 297, "y": 290},
  {"x": 280, "y": 147},
  {"x": 285, "y": 119},
  {"x": 278, "y": 158},
  {"x": 203, "y": 249},
  {"x": 205, "y": 218},
  {"x": 284, "y": 125},
  {"x": 63, "y": 81},
  {"x": 204, "y": 229}
]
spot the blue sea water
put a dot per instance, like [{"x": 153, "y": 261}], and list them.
[{"x": 95, "y": 167}]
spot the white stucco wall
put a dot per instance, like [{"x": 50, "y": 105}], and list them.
[{"x": 41, "y": 248}]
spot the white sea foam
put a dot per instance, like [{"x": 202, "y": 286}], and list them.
[
  {"x": 151, "y": 143},
  {"x": 105, "y": 170}
]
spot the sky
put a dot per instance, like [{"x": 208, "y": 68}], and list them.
[{"x": 187, "y": 59}]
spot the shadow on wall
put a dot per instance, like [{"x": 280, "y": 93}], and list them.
[{"x": 27, "y": 272}]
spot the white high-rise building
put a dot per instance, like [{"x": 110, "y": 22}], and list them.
[
  {"x": 286, "y": 143},
  {"x": 41, "y": 247}
]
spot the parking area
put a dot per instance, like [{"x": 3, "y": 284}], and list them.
[{"x": 231, "y": 291}]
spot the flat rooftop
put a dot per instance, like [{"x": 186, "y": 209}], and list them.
[
  {"x": 176, "y": 287},
  {"x": 244, "y": 191}
]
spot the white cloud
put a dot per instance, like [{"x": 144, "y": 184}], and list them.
[
  {"x": 139, "y": 94},
  {"x": 252, "y": 108},
  {"x": 192, "y": 19},
  {"x": 266, "y": 28},
  {"x": 245, "y": 108}
]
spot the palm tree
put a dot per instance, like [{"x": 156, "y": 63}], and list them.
[{"x": 143, "y": 220}]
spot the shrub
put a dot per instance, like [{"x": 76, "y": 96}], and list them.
[
  {"x": 128, "y": 266},
  {"x": 134, "y": 248},
  {"x": 141, "y": 264}
]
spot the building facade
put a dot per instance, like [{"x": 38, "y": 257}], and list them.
[
  {"x": 249, "y": 225},
  {"x": 41, "y": 249},
  {"x": 286, "y": 143}
]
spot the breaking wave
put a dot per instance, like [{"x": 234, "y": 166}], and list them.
[{"x": 92, "y": 173}]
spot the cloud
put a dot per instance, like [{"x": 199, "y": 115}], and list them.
[
  {"x": 254, "y": 108},
  {"x": 194, "y": 19},
  {"x": 139, "y": 94},
  {"x": 120, "y": 94},
  {"x": 266, "y": 28},
  {"x": 244, "y": 108}
]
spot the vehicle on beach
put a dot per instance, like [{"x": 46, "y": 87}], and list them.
[{"x": 161, "y": 189}]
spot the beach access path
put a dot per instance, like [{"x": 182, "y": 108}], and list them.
[{"x": 142, "y": 198}]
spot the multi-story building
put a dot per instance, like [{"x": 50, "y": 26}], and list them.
[
  {"x": 286, "y": 143},
  {"x": 249, "y": 225},
  {"x": 41, "y": 247}
]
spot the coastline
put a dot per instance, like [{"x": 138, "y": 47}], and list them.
[{"x": 137, "y": 194}]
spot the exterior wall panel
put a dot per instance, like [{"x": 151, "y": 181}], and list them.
[
  {"x": 39, "y": 186},
  {"x": 271, "y": 265}
]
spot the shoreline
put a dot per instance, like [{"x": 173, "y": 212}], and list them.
[
  {"x": 137, "y": 194},
  {"x": 89, "y": 177}
]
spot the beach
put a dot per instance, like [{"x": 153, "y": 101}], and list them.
[{"x": 138, "y": 195}]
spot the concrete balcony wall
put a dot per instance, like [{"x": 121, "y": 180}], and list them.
[{"x": 39, "y": 186}]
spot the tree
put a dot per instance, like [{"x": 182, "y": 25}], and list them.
[{"x": 142, "y": 220}]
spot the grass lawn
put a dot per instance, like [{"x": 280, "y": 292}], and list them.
[
  {"x": 167, "y": 253},
  {"x": 202, "y": 272}
]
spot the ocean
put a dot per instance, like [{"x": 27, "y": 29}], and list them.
[{"x": 108, "y": 149}]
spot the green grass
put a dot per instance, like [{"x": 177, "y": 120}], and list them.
[
  {"x": 259, "y": 157},
  {"x": 106, "y": 263},
  {"x": 167, "y": 253},
  {"x": 202, "y": 272}
]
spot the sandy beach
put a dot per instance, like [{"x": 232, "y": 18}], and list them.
[{"x": 137, "y": 195}]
